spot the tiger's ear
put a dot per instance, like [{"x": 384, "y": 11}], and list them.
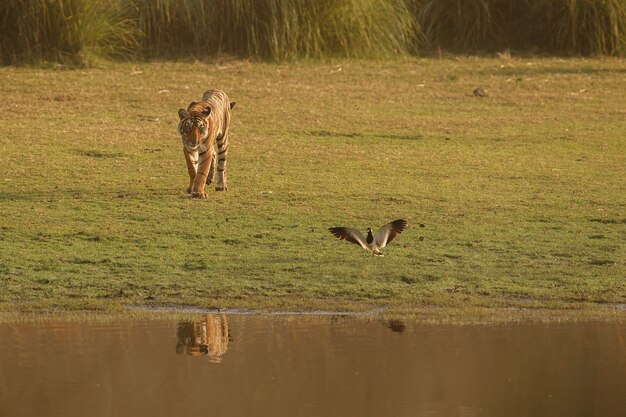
[
  {"x": 206, "y": 111},
  {"x": 182, "y": 113},
  {"x": 232, "y": 104}
]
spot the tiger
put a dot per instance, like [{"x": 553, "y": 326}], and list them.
[
  {"x": 203, "y": 124},
  {"x": 208, "y": 337}
]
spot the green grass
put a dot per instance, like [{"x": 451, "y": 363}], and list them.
[{"x": 521, "y": 192}]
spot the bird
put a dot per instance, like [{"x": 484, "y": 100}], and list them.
[
  {"x": 371, "y": 242},
  {"x": 479, "y": 92}
]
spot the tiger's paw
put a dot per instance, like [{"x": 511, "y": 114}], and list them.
[
  {"x": 221, "y": 188},
  {"x": 189, "y": 190},
  {"x": 201, "y": 194}
]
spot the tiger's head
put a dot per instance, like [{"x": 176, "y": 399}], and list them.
[{"x": 194, "y": 126}]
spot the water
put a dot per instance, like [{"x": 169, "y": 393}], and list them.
[{"x": 240, "y": 365}]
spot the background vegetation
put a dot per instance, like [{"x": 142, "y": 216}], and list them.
[
  {"x": 521, "y": 192},
  {"x": 86, "y": 31}
]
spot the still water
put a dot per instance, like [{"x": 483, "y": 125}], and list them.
[{"x": 294, "y": 365}]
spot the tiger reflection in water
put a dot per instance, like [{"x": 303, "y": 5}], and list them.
[{"x": 208, "y": 337}]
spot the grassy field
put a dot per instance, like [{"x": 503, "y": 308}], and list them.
[{"x": 521, "y": 192}]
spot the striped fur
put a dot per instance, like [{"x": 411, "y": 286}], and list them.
[{"x": 204, "y": 124}]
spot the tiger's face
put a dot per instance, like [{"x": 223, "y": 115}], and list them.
[{"x": 193, "y": 127}]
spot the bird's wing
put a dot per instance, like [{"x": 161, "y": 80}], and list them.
[
  {"x": 388, "y": 232},
  {"x": 349, "y": 234}
]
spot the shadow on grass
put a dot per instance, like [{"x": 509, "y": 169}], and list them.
[
  {"x": 102, "y": 155},
  {"x": 328, "y": 133},
  {"x": 51, "y": 196},
  {"x": 538, "y": 70},
  {"x": 608, "y": 221}
]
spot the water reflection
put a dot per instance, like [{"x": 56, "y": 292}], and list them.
[
  {"x": 209, "y": 336},
  {"x": 295, "y": 365},
  {"x": 396, "y": 325}
]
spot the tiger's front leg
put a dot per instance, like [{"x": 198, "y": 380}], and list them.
[
  {"x": 191, "y": 159},
  {"x": 204, "y": 162},
  {"x": 209, "y": 179}
]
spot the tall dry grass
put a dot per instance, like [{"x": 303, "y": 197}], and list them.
[
  {"x": 67, "y": 31},
  {"x": 591, "y": 26},
  {"x": 85, "y": 31},
  {"x": 276, "y": 29},
  {"x": 459, "y": 25},
  {"x": 587, "y": 27}
]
